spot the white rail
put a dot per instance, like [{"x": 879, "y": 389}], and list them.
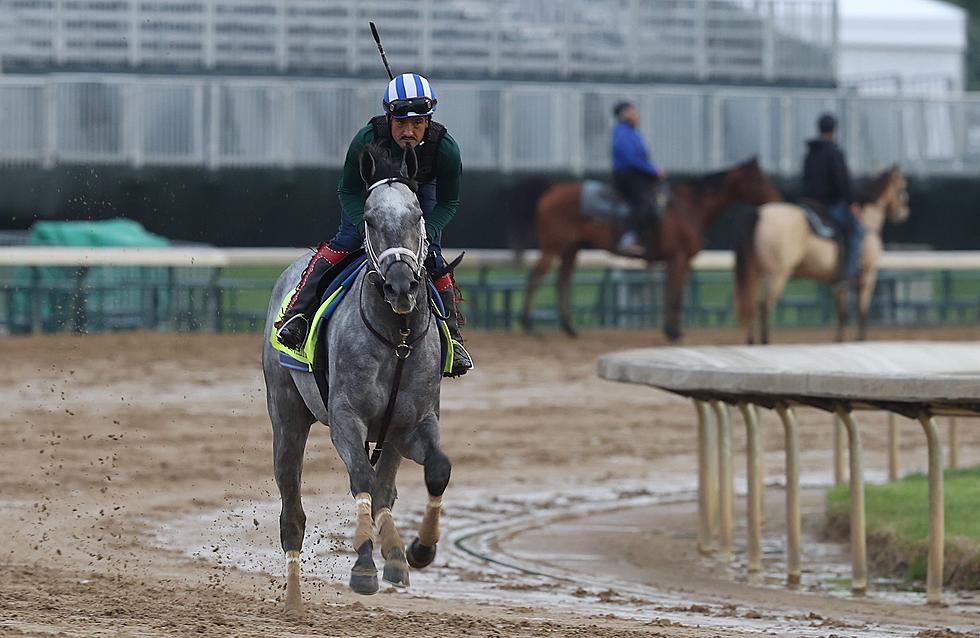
[{"x": 228, "y": 257}]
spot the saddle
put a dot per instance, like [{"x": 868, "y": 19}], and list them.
[
  {"x": 818, "y": 217},
  {"x": 601, "y": 200},
  {"x": 311, "y": 356}
]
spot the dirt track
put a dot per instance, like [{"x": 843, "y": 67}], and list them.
[{"x": 117, "y": 453}]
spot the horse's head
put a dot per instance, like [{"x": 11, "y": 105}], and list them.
[
  {"x": 887, "y": 193},
  {"x": 394, "y": 231},
  {"x": 750, "y": 184},
  {"x": 897, "y": 203}
]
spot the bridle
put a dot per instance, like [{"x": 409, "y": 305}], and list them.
[
  {"x": 414, "y": 259},
  {"x": 403, "y": 348}
]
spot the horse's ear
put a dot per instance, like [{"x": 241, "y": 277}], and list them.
[
  {"x": 410, "y": 163},
  {"x": 753, "y": 161},
  {"x": 366, "y": 164}
]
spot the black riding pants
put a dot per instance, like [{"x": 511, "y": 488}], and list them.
[{"x": 637, "y": 189}]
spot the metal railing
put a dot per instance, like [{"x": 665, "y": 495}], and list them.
[
  {"x": 213, "y": 122},
  {"x": 771, "y": 40},
  {"x": 95, "y": 289}
]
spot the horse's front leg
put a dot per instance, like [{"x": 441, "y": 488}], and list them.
[
  {"x": 866, "y": 288},
  {"x": 422, "y": 446},
  {"x": 392, "y": 546},
  {"x": 677, "y": 269},
  {"x": 348, "y": 433}
]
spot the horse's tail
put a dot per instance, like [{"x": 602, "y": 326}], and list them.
[
  {"x": 746, "y": 265},
  {"x": 520, "y": 204}
]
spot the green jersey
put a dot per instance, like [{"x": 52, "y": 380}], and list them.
[{"x": 446, "y": 171}]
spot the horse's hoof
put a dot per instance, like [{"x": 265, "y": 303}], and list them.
[
  {"x": 396, "y": 569},
  {"x": 365, "y": 583},
  {"x": 569, "y": 330},
  {"x": 294, "y": 610},
  {"x": 364, "y": 574},
  {"x": 673, "y": 334},
  {"x": 419, "y": 555}
]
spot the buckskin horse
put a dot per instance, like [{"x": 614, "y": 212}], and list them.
[
  {"x": 382, "y": 338},
  {"x": 694, "y": 205},
  {"x": 777, "y": 243}
]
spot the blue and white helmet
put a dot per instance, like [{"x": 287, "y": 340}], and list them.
[{"x": 409, "y": 95}]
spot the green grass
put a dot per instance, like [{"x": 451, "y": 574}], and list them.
[
  {"x": 898, "y": 524},
  {"x": 903, "y": 506}
]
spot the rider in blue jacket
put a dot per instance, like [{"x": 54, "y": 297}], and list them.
[{"x": 634, "y": 175}]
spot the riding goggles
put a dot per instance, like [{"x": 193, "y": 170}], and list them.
[{"x": 413, "y": 106}]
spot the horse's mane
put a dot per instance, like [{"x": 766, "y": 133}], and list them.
[
  {"x": 714, "y": 181},
  {"x": 709, "y": 182},
  {"x": 876, "y": 187},
  {"x": 385, "y": 165}
]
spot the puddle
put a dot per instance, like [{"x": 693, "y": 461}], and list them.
[{"x": 471, "y": 566}]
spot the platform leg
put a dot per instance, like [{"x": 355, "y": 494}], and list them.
[
  {"x": 707, "y": 477},
  {"x": 793, "y": 525},
  {"x": 838, "y": 451},
  {"x": 726, "y": 479},
  {"x": 892, "y": 448},
  {"x": 937, "y": 532},
  {"x": 754, "y": 466},
  {"x": 859, "y": 560}
]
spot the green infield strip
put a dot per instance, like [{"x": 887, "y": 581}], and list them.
[{"x": 898, "y": 526}]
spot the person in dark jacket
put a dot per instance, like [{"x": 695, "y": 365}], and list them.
[
  {"x": 827, "y": 181},
  {"x": 408, "y": 104},
  {"x": 634, "y": 176}
]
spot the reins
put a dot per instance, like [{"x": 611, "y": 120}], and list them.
[{"x": 403, "y": 349}]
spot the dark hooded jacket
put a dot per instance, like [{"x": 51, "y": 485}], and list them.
[{"x": 825, "y": 175}]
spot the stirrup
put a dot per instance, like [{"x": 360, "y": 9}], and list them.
[
  {"x": 461, "y": 364},
  {"x": 292, "y": 333}
]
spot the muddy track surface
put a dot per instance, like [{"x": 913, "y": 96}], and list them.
[{"x": 136, "y": 498}]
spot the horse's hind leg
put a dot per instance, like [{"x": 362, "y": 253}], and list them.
[
  {"x": 392, "y": 547},
  {"x": 290, "y": 428},
  {"x": 423, "y": 448},
  {"x": 564, "y": 286},
  {"x": 775, "y": 285},
  {"x": 533, "y": 281}
]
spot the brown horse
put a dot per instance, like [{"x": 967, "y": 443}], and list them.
[
  {"x": 778, "y": 244},
  {"x": 562, "y": 230}
]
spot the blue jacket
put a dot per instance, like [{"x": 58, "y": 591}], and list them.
[{"x": 629, "y": 152}]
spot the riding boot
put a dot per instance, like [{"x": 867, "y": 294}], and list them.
[
  {"x": 630, "y": 246},
  {"x": 462, "y": 362},
  {"x": 293, "y": 328}
]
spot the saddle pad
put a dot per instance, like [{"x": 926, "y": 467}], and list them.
[
  {"x": 334, "y": 294},
  {"x": 599, "y": 200},
  {"x": 819, "y": 227},
  {"x": 302, "y": 361}
]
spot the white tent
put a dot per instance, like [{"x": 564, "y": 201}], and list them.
[{"x": 914, "y": 45}]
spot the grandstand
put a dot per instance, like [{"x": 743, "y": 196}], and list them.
[
  {"x": 526, "y": 85},
  {"x": 745, "y": 41}
]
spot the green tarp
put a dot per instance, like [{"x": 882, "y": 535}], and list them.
[
  {"x": 90, "y": 298},
  {"x": 112, "y": 232}
]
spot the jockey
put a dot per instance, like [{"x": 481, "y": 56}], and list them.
[
  {"x": 408, "y": 103},
  {"x": 634, "y": 175},
  {"x": 826, "y": 180}
]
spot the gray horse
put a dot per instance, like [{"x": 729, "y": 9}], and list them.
[{"x": 385, "y": 316}]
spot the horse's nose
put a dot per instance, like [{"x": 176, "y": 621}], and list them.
[{"x": 400, "y": 292}]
